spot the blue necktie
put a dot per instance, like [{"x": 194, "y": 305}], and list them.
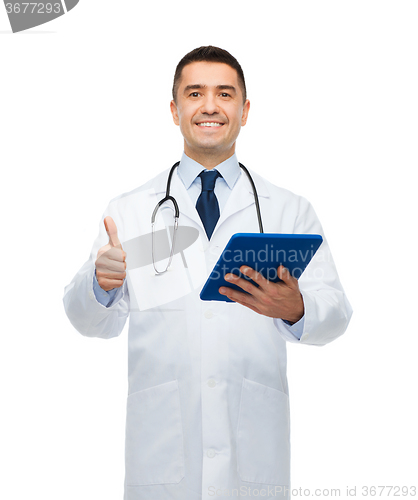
[{"x": 207, "y": 204}]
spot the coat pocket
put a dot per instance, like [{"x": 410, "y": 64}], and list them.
[
  {"x": 154, "y": 436},
  {"x": 263, "y": 439}
]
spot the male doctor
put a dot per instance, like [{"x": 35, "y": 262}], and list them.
[{"x": 207, "y": 408}]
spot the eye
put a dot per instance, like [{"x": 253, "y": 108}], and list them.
[
  {"x": 194, "y": 94},
  {"x": 224, "y": 94}
]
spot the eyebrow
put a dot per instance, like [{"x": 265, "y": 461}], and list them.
[{"x": 198, "y": 86}]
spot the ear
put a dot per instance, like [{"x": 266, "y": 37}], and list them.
[
  {"x": 174, "y": 112},
  {"x": 245, "y": 111}
]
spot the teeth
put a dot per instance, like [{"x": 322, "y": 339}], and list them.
[{"x": 209, "y": 124}]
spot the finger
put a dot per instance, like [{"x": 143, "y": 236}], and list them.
[
  {"x": 284, "y": 274},
  {"x": 115, "y": 254},
  {"x": 244, "y": 284},
  {"x": 109, "y": 284},
  {"x": 236, "y": 296},
  {"x": 112, "y": 261},
  {"x": 255, "y": 276},
  {"x": 109, "y": 275},
  {"x": 112, "y": 232},
  {"x": 240, "y": 298}
]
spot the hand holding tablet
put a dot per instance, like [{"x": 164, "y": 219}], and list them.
[
  {"x": 264, "y": 253},
  {"x": 276, "y": 300},
  {"x": 261, "y": 271}
]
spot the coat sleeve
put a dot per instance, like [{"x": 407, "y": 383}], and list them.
[
  {"x": 85, "y": 313},
  {"x": 327, "y": 309}
]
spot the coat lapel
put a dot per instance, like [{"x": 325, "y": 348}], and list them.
[{"x": 242, "y": 196}]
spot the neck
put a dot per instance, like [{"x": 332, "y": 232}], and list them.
[{"x": 208, "y": 160}]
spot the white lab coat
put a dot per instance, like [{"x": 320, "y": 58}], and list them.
[{"x": 207, "y": 408}]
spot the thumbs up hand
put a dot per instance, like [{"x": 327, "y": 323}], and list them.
[{"x": 110, "y": 262}]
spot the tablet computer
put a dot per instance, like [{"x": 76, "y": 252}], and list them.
[{"x": 264, "y": 253}]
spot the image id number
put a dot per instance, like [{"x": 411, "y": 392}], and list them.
[
  {"x": 395, "y": 491},
  {"x": 33, "y": 8}
]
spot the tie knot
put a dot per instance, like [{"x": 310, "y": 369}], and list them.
[{"x": 209, "y": 179}]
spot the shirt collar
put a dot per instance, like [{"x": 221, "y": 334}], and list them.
[{"x": 189, "y": 169}]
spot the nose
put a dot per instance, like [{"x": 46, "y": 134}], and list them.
[{"x": 209, "y": 105}]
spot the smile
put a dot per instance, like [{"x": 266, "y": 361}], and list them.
[{"x": 209, "y": 124}]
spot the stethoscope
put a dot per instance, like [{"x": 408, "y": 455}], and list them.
[{"x": 168, "y": 197}]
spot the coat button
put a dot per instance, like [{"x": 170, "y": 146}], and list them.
[
  {"x": 211, "y": 382},
  {"x": 208, "y": 314},
  {"x": 211, "y": 453}
]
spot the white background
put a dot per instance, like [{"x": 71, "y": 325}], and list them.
[{"x": 84, "y": 116}]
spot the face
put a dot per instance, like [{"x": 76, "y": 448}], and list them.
[{"x": 209, "y": 110}]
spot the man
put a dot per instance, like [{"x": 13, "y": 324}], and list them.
[{"x": 207, "y": 411}]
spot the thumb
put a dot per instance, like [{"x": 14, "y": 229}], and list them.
[{"x": 112, "y": 232}]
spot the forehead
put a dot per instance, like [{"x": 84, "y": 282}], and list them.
[{"x": 211, "y": 74}]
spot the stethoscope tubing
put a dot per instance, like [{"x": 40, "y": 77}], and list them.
[{"x": 168, "y": 197}]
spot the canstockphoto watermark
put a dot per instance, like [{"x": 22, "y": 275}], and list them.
[
  {"x": 270, "y": 491},
  {"x": 287, "y": 491},
  {"x": 248, "y": 491},
  {"x": 25, "y": 15}
]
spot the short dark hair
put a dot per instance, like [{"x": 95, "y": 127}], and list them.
[{"x": 209, "y": 54}]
